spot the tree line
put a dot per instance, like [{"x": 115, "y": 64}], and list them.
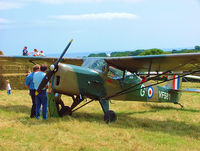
[{"x": 144, "y": 52}]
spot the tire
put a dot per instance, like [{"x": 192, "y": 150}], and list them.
[
  {"x": 110, "y": 116},
  {"x": 66, "y": 110}
]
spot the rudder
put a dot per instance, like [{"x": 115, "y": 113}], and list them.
[{"x": 175, "y": 82}]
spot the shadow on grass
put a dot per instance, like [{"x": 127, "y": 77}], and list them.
[
  {"x": 171, "y": 127},
  {"x": 160, "y": 107},
  {"x": 125, "y": 120},
  {"x": 15, "y": 108}
]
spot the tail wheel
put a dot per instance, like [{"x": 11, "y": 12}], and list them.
[
  {"x": 66, "y": 110},
  {"x": 110, "y": 116}
]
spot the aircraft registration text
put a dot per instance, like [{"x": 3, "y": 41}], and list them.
[{"x": 164, "y": 95}]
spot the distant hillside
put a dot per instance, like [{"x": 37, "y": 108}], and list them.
[{"x": 143, "y": 52}]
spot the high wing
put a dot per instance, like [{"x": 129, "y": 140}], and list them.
[
  {"x": 30, "y": 61},
  {"x": 187, "y": 62}
]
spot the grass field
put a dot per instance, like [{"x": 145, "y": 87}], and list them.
[{"x": 140, "y": 126}]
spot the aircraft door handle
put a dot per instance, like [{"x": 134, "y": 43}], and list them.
[{"x": 96, "y": 82}]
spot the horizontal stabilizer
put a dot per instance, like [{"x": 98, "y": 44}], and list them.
[
  {"x": 193, "y": 77},
  {"x": 189, "y": 90}
]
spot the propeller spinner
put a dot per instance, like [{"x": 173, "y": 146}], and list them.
[{"x": 52, "y": 70}]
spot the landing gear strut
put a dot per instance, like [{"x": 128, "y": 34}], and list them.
[
  {"x": 179, "y": 104},
  {"x": 66, "y": 110},
  {"x": 109, "y": 115}
]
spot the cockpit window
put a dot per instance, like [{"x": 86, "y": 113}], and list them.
[
  {"x": 97, "y": 64},
  {"x": 100, "y": 65},
  {"x": 115, "y": 73}
]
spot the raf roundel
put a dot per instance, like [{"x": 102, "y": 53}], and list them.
[{"x": 150, "y": 92}]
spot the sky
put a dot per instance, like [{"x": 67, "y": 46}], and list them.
[{"x": 98, "y": 25}]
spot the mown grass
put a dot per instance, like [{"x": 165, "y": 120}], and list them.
[{"x": 140, "y": 126}]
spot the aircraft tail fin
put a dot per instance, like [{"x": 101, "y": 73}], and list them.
[
  {"x": 176, "y": 83},
  {"x": 174, "y": 86}
]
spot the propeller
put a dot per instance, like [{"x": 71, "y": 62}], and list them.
[{"x": 52, "y": 70}]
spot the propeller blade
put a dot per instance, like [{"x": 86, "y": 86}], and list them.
[
  {"x": 65, "y": 50},
  {"x": 52, "y": 70},
  {"x": 44, "y": 81}
]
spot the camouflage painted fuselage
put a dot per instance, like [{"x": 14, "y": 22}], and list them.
[{"x": 75, "y": 80}]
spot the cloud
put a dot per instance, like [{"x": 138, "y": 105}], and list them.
[
  {"x": 132, "y": 0},
  {"x": 9, "y": 5},
  {"x": 69, "y": 1},
  {"x": 4, "y": 21},
  {"x": 97, "y": 16},
  {"x": 13, "y": 4},
  {"x": 84, "y": 1}
]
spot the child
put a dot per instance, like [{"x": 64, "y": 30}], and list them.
[{"x": 8, "y": 88}]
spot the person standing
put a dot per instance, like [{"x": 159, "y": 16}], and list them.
[
  {"x": 42, "y": 53},
  {"x": 30, "y": 85},
  {"x": 1, "y": 53},
  {"x": 25, "y": 51},
  {"x": 41, "y": 98},
  {"x": 35, "y": 53},
  {"x": 8, "y": 87}
]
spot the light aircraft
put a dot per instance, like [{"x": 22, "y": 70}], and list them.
[{"x": 108, "y": 78}]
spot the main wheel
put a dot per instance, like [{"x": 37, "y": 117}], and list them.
[
  {"x": 66, "y": 110},
  {"x": 110, "y": 116}
]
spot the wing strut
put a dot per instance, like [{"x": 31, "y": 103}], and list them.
[
  {"x": 168, "y": 71},
  {"x": 149, "y": 68},
  {"x": 83, "y": 105},
  {"x": 128, "y": 90}
]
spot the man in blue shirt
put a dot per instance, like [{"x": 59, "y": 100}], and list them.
[
  {"x": 41, "y": 98},
  {"x": 25, "y": 51},
  {"x": 30, "y": 85}
]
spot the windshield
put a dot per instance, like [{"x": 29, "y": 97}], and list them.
[
  {"x": 97, "y": 64},
  {"x": 100, "y": 65}
]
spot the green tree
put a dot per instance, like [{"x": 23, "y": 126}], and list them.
[
  {"x": 153, "y": 51},
  {"x": 197, "y": 47},
  {"x": 98, "y": 55},
  {"x": 174, "y": 51},
  {"x": 137, "y": 52},
  {"x": 120, "y": 54},
  {"x": 126, "y": 53}
]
